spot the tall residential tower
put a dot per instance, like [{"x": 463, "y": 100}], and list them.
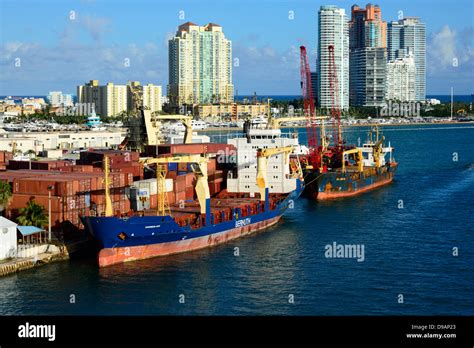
[
  {"x": 368, "y": 56},
  {"x": 333, "y": 30},
  {"x": 200, "y": 65},
  {"x": 408, "y": 35}
]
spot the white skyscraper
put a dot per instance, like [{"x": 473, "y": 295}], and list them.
[
  {"x": 200, "y": 65},
  {"x": 408, "y": 35},
  {"x": 401, "y": 77},
  {"x": 57, "y": 98},
  {"x": 333, "y": 29}
]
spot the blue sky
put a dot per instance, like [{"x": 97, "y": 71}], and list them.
[{"x": 58, "y": 51}]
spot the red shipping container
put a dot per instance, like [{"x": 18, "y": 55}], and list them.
[
  {"x": 19, "y": 201},
  {"x": 189, "y": 192},
  {"x": 180, "y": 197},
  {"x": 171, "y": 175},
  {"x": 211, "y": 165},
  {"x": 153, "y": 201}
]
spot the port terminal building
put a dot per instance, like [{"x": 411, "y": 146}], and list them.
[{"x": 40, "y": 141}]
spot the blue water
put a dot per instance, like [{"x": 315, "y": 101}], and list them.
[{"x": 407, "y": 251}]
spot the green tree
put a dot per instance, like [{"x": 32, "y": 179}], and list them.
[
  {"x": 5, "y": 194},
  {"x": 33, "y": 215},
  {"x": 31, "y": 153}
]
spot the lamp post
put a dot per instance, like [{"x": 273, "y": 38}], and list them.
[{"x": 49, "y": 212}]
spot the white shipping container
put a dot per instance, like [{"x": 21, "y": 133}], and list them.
[{"x": 152, "y": 186}]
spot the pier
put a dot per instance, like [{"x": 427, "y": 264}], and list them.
[{"x": 50, "y": 253}]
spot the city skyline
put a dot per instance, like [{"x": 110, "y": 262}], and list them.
[{"x": 61, "y": 53}]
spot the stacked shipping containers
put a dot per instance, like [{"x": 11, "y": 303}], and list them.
[
  {"x": 5, "y": 157},
  {"x": 72, "y": 194}
]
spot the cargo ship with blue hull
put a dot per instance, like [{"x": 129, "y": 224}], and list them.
[
  {"x": 262, "y": 180},
  {"x": 141, "y": 237}
]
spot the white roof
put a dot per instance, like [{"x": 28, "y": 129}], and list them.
[{"x": 6, "y": 223}]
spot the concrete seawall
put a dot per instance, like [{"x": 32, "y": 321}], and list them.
[{"x": 21, "y": 264}]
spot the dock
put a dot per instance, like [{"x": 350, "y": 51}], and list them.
[{"x": 53, "y": 253}]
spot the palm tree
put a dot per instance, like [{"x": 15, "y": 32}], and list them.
[
  {"x": 31, "y": 153},
  {"x": 5, "y": 194},
  {"x": 33, "y": 215}
]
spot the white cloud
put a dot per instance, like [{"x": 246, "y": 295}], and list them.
[
  {"x": 450, "y": 60},
  {"x": 443, "y": 46},
  {"x": 65, "y": 66},
  {"x": 95, "y": 26},
  {"x": 264, "y": 69}
]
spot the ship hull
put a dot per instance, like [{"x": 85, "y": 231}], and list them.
[
  {"x": 143, "y": 237},
  {"x": 334, "y": 185},
  {"x": 111, "y": 256}
]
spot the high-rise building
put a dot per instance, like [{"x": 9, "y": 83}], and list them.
[
  {"x": 401, "y": 79},
  {"x": 405, "y": 36},
  {"x": 366, "y": 28},
  {"x": 57, "y": 98},
  {"x": 151, "y": 96},
  {"x": 333, "y": 30},
  {"x": 368, "y": 76},
  {"x": 368, "y": 56},
  {"x": 200, "y": 65},
  {"x": 112, "y": 100},
  {"x": 108, "y": 100}
]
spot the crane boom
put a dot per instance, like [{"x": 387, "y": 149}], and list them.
[
  {"x": 262, "y": 163},
  {"x": 202, "y": 186},
  {"x": 335, "y": 103},
  {"x": 309, "y": 108},
  {"x": 185, "y": 120}
]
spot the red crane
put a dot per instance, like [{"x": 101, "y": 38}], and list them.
[
  {"x": 335, "y": 105},
  {"x": 309, "y": 109}
]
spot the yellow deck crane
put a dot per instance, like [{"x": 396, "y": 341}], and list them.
[
  {"x": 202, "y": 186},
  {"x": 153, "y": 139},
  {"x": 108, "y": 202},
  {"x": 378, "y": 151},
  {"x": 377, "y": 145},
  {"x": 262, "y": 164}
]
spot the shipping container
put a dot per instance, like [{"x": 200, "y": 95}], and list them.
[{"x": 206, "y": 148}]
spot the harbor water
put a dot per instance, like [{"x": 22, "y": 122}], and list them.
[{"x": 416, "y": 235}]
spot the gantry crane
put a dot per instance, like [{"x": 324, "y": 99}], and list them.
[
  {"x": 262, "y": 164},
  {"x": 202, "y": 186}
]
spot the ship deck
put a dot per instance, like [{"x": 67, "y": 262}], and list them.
[{"x": 222, "y": 209}]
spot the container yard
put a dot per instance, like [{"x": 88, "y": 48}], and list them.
[
  {"x": 70, "y": 190},
  {"x": 73, "y": 190}
]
